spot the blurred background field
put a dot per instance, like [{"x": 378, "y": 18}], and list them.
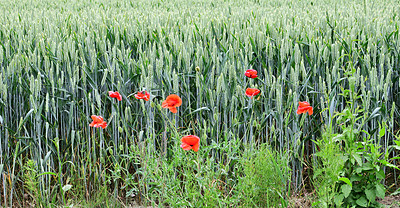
[{"x": 60, "y": 58}]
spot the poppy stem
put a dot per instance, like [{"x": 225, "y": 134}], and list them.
[
  {"x": 251, "y": 123},
  {"x": 165, "y": 140},
  {"x": 151, "y": 133},
  {"x": 249, "y": 140}
]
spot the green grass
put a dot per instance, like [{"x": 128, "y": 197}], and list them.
[{"x": 59, "y": 59}]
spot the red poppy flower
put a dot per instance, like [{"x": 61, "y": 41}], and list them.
[
  {"x": 250, "y": 92},
  {"x": 251, "y": 73},
  {"x": 305, "y": 107},
  {"x": 171, "y": 102},
  {"x": 98, "y": 121},
  {"x": 115, "y": 95},
  {"x": 190, "y": 142},
  {"x": 143, "y": 95}
]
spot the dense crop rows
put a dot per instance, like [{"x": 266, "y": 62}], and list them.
[{"x": 59, "y": 59}]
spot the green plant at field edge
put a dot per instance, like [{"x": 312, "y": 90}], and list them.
[{"x": 357, "y": 159}]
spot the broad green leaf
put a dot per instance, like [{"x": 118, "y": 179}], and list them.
[
  {"x": 346, "y": 180},
  {"x": 371, "y": 195},
  {"x": 339, "y": 200},
  {"x": 355, "y": 177},
  {"x": 357, "y": 157},
  {"x": 346, "y": 189},
  {"x": 367, "y": 166},
  {"x": 358, "y": 170},
  {"x": 362, "y": 201},
  {"x": 380, "y": 190},
  {"x": 380, "y": 174}
]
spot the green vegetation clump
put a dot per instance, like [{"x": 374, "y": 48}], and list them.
[{"x": 266, "y": 179}]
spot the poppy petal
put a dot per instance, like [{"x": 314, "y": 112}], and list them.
[
  {"x": 186, "y": 146},
  {"x": 140, "y": 96},
  {"x": 147, "y": 96},
  {"x": 173, "y": 110},
  {"x": 310, "y": 111},
  {"x": 250, "y": 92},
  {"x": 304, "y": 107},
  {"x": 190, "y": 142},
  {"x": 115, "y": 95},
  {"x": 103, "y": 125},
  {"x": 190, "y": 139},
  {"x": 196, "y": 147},
  {"x": 304, "y": 104},
  {"x": 173, "y": 101},
  {"x": 301, "y": 110},
  {"x": 251, "y": 73},
  {"x": 97, "y": 119},
  {"x": 92, "y": 124}
]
